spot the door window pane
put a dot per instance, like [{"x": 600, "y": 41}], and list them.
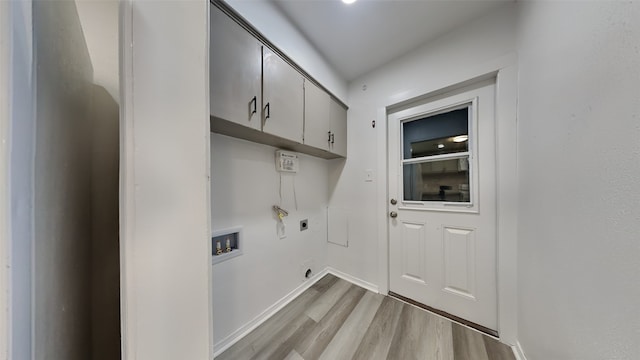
[
  {"x": 439, "y": 134},
  {"x": 442, "y": 180}
]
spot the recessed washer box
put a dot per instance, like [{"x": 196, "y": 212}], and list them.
[{"x": 226, "y": 244}]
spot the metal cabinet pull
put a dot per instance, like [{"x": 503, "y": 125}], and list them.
[
  {"x": 268, "y": 111},
  {"x": 255, "y": 105},
  {"x": 329, "y": 138},
  {"x": 393, "y": 214},
  {"x": 332, "y": 138}
]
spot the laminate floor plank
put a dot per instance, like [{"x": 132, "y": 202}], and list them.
[
  {"x": 293, "y": 355},
  {"x": 326, "y": 282},
  {"x": 409, "y": 340},
  {"x": 313, "y": 346},
  {"x": 498, "y": 351},
  {"x": 377, "y": 340},
  {"x": 321, "y": 306},
  {"x": 468, "y": 344},
  {"x": 260, "y": 337},
  {"x": 345, "y": 343},
  {"x": 336, "y": 320},
  {"x": 282, "y": 343},
  {"x": 439, "y": 339}
]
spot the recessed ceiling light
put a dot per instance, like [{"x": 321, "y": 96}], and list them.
[
  {"x": 440, "y": 146},
  {"x": 461, "y": 138},
  {"x": 348, "y": 1}
]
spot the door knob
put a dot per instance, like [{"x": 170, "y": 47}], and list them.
[
  {"x": 393, "y": 214},
  {"x": 394, "y": 201}
]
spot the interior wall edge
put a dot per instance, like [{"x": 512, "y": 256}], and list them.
[
  {"x": 165, "y": 247},
  {"x": 18, "y": 61},
  {"x": 5, "y": 237},
  {"x": 518, "y": 352}
]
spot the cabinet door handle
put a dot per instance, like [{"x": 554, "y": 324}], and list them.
[
  {"x": 267, "y": 110},
  {"x": 329, "y": 138},
  {"x": 333, "y": 138},
  {"x": 255, "y": 105}
]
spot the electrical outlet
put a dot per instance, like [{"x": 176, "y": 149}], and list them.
[{"x": 304, "y": 224}]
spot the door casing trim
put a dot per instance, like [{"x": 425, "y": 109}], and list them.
[{"x": 505, "y": 71}]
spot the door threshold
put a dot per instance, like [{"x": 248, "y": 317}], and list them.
[{"x": 457, "y": 319}]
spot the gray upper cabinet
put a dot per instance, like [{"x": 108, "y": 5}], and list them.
[
  {"x": 259, "y": 96},
  {"x": 283, "y": 98},
  {"x": 338, "y": 116},
  {"x": 325, "y": 121},
  {"x": 235, "y": 72},
  {"x": 317, "y": 124}
]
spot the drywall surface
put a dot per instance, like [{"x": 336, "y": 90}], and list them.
[
  {"x": 5, "y": 205},
  {"x": 579, "y": 171},
  {"x": 453, "y": 58},
  {"x": 22, "y": 144},
  {"x": 62, "y": 189},
  {"x": 245, "y": 186},
  {"x": 265, "y": 17},
  {"x": 99, "y": 19},
  {"x": 164, "y": 214}
]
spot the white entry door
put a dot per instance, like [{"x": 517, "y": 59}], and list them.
[{"x": 442, "y": 204}]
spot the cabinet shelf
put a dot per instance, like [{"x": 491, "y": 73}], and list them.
[{"x": 229, "y": 128}]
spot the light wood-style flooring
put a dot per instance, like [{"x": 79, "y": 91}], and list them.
[{"x": 335, "y": 320}]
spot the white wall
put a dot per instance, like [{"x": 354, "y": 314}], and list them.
[
  {"x": 450, "y": 59},
  {"x": 455, "y": 57},
  {"x": 164, "y": 204},
  {"x": 265, "y": 17},
  {"x": 22, "y": 145},
  {"x": 62, "y": 188},
  {"x": 5, "y": 205},
  {"x": 245, "y": 186},
  {"x": 579, "y": 170}
]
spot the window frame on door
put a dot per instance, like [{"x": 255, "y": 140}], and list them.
[{"x": 447, "y": 206}]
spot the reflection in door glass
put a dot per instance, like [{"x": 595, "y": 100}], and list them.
[
  {"x": 436, "y": 135},
  {"x": 436, "y": 157},
  {"x": 444, "y": 180}
]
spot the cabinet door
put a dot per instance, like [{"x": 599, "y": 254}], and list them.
[
  {"x": 338, "y": 115},
  {"x": 282, "y": 102},
  {"x": 235, "y": 72},
  {"x": 316, "y": 116}
]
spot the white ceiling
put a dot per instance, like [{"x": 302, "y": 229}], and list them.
[{"x": 362, "y": 36}]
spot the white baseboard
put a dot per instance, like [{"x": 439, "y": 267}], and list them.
[
  {"x": 235, "y": 336},
  {"x": 354, "y": 280},
  {"x": 518, "y": 352}
]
